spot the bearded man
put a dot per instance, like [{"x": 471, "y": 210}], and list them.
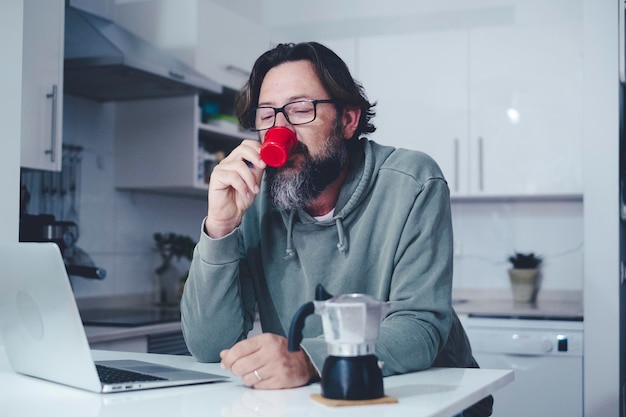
[{"x": 344, "y": 212}]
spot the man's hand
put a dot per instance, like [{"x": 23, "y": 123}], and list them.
[
  {"x": 234, "y": 185},
  {"x": 264, "y": 362}
]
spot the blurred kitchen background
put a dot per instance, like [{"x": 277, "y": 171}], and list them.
[
  {"x": 117, "y": 225},
  {"x": 509, "y": 96}
]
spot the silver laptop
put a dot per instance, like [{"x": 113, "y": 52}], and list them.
[{"x": 43, "y": 334}]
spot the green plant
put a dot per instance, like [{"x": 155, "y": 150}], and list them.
[
  {"x": 170, "y": 246},
  {"x": 525, "y": 260}
]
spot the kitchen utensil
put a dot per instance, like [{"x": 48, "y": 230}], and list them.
[
  {"x": 278, "y": 144},
  {"x": 45, "y": 228},
  {"x": 74, "y": 161},
  {"x": 351, "y": 325}
]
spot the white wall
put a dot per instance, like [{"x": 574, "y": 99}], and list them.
[{"x": 11, "y": 14}]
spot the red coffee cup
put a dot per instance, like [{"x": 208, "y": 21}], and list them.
[{"x": 278, "y": 144}]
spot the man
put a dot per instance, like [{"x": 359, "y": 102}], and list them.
[{"x": 344, "y": 211}]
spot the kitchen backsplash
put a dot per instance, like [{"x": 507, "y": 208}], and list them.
[
  {"x": 117, "y": 226},
  {"x": 486, "y": 233}
]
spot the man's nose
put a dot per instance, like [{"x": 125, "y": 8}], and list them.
[{"x": 281, "y": 120}]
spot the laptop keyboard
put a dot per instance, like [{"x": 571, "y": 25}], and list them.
[{"x": 110, "y": 375}]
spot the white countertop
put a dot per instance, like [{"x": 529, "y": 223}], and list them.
[{"x": 437, "y": 392}]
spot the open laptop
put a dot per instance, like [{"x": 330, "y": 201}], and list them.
[{"x": 43, "y": 334}]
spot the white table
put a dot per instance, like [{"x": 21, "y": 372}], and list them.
[{"x": 437, "y": 392}]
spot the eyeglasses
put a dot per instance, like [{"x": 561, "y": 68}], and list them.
[{"x": 297, "y": 113}]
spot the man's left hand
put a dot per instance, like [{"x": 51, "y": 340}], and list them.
[{"x": 264, "y": 362}]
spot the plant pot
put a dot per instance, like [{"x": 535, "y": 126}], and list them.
[
  {"x": 524, "y": 284},
  {"x": 168, "y": 286}
]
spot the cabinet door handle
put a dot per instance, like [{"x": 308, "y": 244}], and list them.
[
  {"x": 456, "y": 164},
  {"x": 53, "y": 133},
  {"x": 481, "y": 168},
  {"x": 621, "y": 42}
]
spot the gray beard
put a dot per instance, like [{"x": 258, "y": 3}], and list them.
[{"x": 292, "y": 191}]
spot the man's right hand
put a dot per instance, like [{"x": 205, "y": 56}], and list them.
[{"x": 234, "y": 184}]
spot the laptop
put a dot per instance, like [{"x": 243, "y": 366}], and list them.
[{"x": 43, "y": 334}]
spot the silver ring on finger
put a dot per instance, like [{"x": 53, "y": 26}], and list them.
[{"x": 259, "y": 377}]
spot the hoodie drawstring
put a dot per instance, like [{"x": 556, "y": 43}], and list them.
[
  {"x": 289, "y": 252},
  {"x": 342, "y": 245}
]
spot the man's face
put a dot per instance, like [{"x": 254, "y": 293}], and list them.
[
  {"x": 293, "y": 188},
  {"x": 321, "y": 151}
]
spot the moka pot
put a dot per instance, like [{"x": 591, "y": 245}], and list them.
[{"x": 351, "y": 324}]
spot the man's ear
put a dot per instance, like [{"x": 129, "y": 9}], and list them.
[{"x": 350, "y": 120}]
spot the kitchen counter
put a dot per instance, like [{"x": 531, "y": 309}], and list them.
[
  {"x": 550, "y": 305},
  {"x": 99, "y": 334},
  {"x": 109, "y": 319},
  {"x": 436, "y": 392}
]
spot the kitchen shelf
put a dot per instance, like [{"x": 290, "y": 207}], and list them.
[{"x": 161, "y": 146}]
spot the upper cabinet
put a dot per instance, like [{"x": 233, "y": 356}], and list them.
[
  {"x": 499, "y": 106},
  {"x": 525, "y": 102},
  {"x": 42, "y": 84},
  {"x": 420, "y": 85}
]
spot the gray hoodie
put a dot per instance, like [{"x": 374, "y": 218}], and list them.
[{"x": 390, "y": 237}]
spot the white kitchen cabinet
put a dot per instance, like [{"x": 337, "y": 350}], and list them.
[
  {"x": 526, "y": 102},
  {"x": 42, "y": 84},
  {"x": 498, "y": 107},
  {"x": 159, "y": 142},
  {"x": 420, "y": 85}
]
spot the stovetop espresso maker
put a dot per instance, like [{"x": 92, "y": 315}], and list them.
[{"x": 351, "y": 324}]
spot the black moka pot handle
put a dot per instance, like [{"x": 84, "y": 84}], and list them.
[
  {"x": 321, "y": 294},
  {"x": 297, "y": 323}
]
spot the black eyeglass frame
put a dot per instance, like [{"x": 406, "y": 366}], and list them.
[{"x": 252, "y": 113}]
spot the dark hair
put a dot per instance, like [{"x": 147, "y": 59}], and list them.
[{"x": 331, "y": 70}]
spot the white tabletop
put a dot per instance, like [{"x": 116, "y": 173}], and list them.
[{"x": 441, "y": 392}]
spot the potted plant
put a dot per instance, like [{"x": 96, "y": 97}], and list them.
[
  {"x": 171, "y": 246},
  {"x": 524, "y": 276}
]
